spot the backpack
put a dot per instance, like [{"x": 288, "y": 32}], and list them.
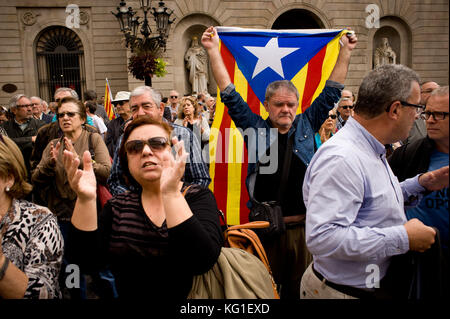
[{"x": 243, "y": 237}]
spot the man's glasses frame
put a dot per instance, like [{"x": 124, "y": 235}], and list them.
[
  {"x": 419, "y": 108},
  {"x": 437, "y": 116}
]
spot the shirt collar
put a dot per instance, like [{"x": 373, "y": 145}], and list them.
[{"x": 374, "y": 144}]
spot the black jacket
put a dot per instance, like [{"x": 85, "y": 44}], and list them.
[
  {"x": 23, "y": 138},
  {"x": 422, "y": 273},
  {"x": 115, "y": 130},
  {"x": 412, "y": 158}
]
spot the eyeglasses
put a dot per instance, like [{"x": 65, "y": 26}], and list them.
[
  {"x": 174, "y": 97},
  {"x": 69, "y": 114},
  {"x": 419, "y": 108},
  {"x": 347, "y": 106},
  {"x": 333, "y": 116},
  {"x": 437, "y": 116},
  {"x": 119, "y": 103},
  {"x": 155, "y": 143},
  {"x": 24, "y": 105}
]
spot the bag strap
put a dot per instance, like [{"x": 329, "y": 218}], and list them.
[
  {"x": 186, "y": 189},
  {"x": 90, "y": 144},
  {"x": 255, "y": 224}
]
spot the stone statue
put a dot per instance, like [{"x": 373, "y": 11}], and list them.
[
  {"x": 197, "y": 64},
  {"x": 384, "y": 54}
]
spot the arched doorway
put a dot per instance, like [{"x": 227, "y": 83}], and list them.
[
  {"x": 298, "y": 19},
  {"x": 60, "y": 61}
]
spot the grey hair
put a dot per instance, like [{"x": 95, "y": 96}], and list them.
[
  {"x": 37, "y": 97},
  {"x": 276, "y": 85},
  {"x": 382, "y": 86},
  {"x": 440, "y": 91},
  {"x": 14, "y": 99},
  {"x": 72, "y": 92},
  {"x": 141, "y": 90}
]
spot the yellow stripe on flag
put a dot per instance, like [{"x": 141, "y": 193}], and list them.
[
  {"x": 329, "y": 61},
  {"x": 215, "y": 138},
  {"x": 299, "y": 81},
  {"x": 235, "y": 158}
]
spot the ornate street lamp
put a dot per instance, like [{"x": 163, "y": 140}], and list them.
[{"x": 145, "y": 49}]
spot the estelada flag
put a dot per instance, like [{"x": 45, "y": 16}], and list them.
[
  {"x": 255, "y": 58},
  {"x": 108, "y": 104}
]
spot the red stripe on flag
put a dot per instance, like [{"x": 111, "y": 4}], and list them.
[
  {"x": 221, "y": 166},
  {"x": 313, "y": 77},
  {"x": 254, "y": 104}
]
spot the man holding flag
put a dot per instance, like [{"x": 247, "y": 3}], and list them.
[{"x": 287, "y": 254}]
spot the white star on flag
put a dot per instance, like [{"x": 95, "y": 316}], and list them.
[{"x": 270, "y": 57}]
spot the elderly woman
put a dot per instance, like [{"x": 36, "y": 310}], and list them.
[
  {"x": 154, "y": 239},
  {"x": 327, "y": 129},
  {"x": 31, "y": 245},
  {"x": 189, "y": 116},
  {"x": 71, "y": 115}
]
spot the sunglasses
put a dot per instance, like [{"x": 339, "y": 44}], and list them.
[
  {"x": 333, "y": 116},
  {"x": 155, "y": 143},
  {"x": 69, "y": 114},
  {"x": 173, "y": 97},
  {"x": 24, "y": 105},
  {"x": 347, "y": 106}
]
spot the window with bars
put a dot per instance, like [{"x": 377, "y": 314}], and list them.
[{"x": 60, "y": 62}]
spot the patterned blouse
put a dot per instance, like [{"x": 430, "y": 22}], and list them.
[{"x": 32, "y": 241}]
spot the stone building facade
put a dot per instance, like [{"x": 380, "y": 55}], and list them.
[{"x": 35, "y": 40}]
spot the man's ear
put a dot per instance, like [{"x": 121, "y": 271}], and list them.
[
  {"x": 161, "y": 108},
  {"x": 266, "y": 106},
  {"x": 393, "y": 110}
]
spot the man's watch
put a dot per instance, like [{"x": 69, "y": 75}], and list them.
[{"x": 230, "y": 88}]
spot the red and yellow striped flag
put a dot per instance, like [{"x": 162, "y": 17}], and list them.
[
  {"x": 307, "y": 60},
  {"x": 108, "y": 102}
]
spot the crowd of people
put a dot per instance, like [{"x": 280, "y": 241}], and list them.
[{"x": 365, "y": 180}]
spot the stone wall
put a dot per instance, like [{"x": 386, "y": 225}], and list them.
[{"x": 422, "y": 26}]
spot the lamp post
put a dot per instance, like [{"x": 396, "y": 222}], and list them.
[{"x": 145, "y": 45}]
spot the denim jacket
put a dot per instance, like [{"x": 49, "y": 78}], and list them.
[{"x": 304, "y": 126}]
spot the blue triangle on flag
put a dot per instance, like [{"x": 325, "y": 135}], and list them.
[{"x": 307, "y": 45}]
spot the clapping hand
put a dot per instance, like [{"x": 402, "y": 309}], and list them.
[
  {"x": 173, "y": 168},
  {"x": 82, "y": 182},
  {"x": 54, "y": 150}
]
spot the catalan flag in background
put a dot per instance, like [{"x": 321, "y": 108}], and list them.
[
  {"x": 108, "y": 104},
  {"x": 255, "y": 58}
]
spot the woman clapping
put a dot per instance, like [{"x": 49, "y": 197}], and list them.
[{"x": 153, "y": 239}]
